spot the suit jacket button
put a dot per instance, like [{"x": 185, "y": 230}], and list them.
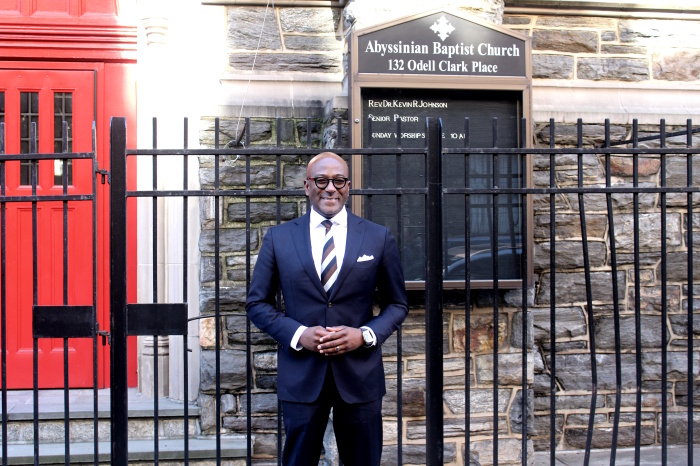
[{"x": 330, "y": 304}]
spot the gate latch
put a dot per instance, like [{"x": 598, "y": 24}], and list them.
[
  {"x": 106, "y": 337},
  {"x": 104, "y": 174}
]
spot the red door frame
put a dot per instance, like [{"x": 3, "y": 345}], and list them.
[{"x": 99, "y": 36}]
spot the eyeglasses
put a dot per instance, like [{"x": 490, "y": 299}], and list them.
[{"x": 322, "y": 182}]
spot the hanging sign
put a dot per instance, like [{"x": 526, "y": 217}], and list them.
[{"x": 441, "y": 44}]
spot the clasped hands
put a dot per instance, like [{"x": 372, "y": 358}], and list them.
[{"x": 331, "y": 341}]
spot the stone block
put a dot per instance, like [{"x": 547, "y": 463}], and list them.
[
  {"x": 265, "y": 445},
  {"x": 509, "y": 369},
  {"x": 235, "y": 176},
  {"x": 309, "y": 20},
  {"x": 602, "y": 437},
  {"x": 207, "y": 333},
  {"x": 266, "y": 381},
  {"x": 293, "y": 177},
  {"x": 230, "y": 299},
  {"x": 510, "y": 20},
  {"x": 516, "y": 336},
  {"x": 481, "y": 331},
  {"x": 552, "y": 66},
  {"x": 313, "y": 43},
  {"x": 230, "y": 129},
  {"x": 230, "y": 240},
  {"x": 415, "y": 454},
  {"x": 569, "y": 255},
  {"x": 208, "y": 269},
  {"x": 262, "y": 212},
  {"x": 570, "y": 22},
  {"x": 570, "y": 287},
  {"x": 569, "y": 226},
  {"x": 232, "y": 370},
  {"x": 583, "y": 419},
  {"x": 569, "y": 322},
  {"x": 566, "y": 135},
  {"x": 676, "y": 365},
  {"x": 650, "y": 298},
  {"x": 573, "y": 371},
  {"x": 679, "y": 324},
  {"x": 659, "y": 33},
  {"x": 650, "y": 400},
  {"x": 677, "y": 428},
  {"x": 614, "y": 49},
  {"x": 258, "y": 423},
  {"x": 565, "y": 40},
  {"x": 677, "y": 267},
  {"x": 412, "y": 397},
  {"x": 244, "y": 29},
  {"x": 516, "y": 413},
  {"x": 265, "y": 361},
  {"x": 480, "y": 400},
  {"x": 509, "y": 450},
  {"x": 613, "y": 69},
  {"x": 650, "y": 330},
  {"x": 285, "y": 62},
  {"x": 260, "y": 403},
  {"x": 302, "y": 128},
  {"x": 649, "y": 231},
  {"x": 681, "y": 393}
]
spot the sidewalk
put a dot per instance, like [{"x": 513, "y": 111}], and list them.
[{"x": 677, "y": 456}]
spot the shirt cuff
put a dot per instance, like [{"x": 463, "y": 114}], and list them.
[
  {"x": 297, "y": 336},
  {"x": 371, "y": 332}
]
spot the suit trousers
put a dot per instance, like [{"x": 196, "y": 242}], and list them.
[{"x": 358, "y": 428}]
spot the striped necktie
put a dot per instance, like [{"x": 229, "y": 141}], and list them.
[{"x": 329, "y": 266}]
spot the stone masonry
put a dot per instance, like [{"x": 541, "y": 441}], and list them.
[{"x": 310, "y": 40}]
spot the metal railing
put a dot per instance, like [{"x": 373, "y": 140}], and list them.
[{"x": 160, "y": 318}]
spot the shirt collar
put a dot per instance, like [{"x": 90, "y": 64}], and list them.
[{"x": 341, "y": 218}]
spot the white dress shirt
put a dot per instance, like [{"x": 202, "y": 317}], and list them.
[{"x": 318, "y": 234}]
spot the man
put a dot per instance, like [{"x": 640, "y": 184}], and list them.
[{"x": 328, "y": 264}]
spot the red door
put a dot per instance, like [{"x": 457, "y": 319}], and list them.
[{"x": 48, "y": 97}]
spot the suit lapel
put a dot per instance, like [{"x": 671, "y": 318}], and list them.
[
  {"x": 356, "y": 233},
  {"x": 302, "y": 241}
]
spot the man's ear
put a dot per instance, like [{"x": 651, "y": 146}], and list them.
[{"x": 306, "y": 187}]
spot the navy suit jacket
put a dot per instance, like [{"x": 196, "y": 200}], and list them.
[{"x": 285, "y": 261}]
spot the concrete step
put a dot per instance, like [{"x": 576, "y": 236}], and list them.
[
  {"x": 20, "y": 414},
  {"x": 202, "y": 450}
]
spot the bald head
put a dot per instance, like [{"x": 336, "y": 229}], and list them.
[
  {"x": 325, "y": 170},
  {"x": 324, "y": 155}
]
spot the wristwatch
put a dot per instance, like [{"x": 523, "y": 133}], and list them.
[{"x": 368, "y": 336}]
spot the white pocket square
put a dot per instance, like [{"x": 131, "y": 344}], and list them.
[{"x": 365, "y": 258}]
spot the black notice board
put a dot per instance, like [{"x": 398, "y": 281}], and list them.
[{"x": 382, "y": 109}]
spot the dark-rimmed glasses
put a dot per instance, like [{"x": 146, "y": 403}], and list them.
[{"x": 321, "y": 182}]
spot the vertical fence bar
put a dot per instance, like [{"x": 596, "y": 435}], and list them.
[
  {"x": 217, "y": 297},
  {"x": 637, "y": 297},
  {"x": 399, "y": 339},
  {"x": 95, "y": 370},
  {"x": 185, "y": 343},
  {"x": 467, "y": 296},
  {"x": 154, "y": 240},
  {"x": 117, "y": 268},
  {"x": 589, "y": 296},
  {"x": 691, "y": 345},
  {"x": 664, "y": 369},
  {"x": 433, "y": 296},
  {"x": 278, "y": 220},
  {"x": 494, "y": 261},
  {"x": 523, "y": 274},
  {"x": 66, "y": 385},
  {"x": 3, "y": 298},
  {"x": 249, "y": 353},
  {"x": 616, "y": 302},
  {"x": 35, "y": 291},
  {"x": 552, "y": 298}
]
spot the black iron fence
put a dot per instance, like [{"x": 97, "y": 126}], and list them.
[{"x": 610, "y": 218}]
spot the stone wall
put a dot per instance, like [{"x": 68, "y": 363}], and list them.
[
  {"x": 611, "y": 49},
  {"x": 575, "y": 320},
  {"x": 310, "y": 40}
]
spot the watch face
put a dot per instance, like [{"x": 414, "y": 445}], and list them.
[{"x": 366, "y": 336}]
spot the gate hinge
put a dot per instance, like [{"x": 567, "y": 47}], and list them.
[
  {"x": 106, "y": 337},
  {"x": 104, "y": 173}
]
